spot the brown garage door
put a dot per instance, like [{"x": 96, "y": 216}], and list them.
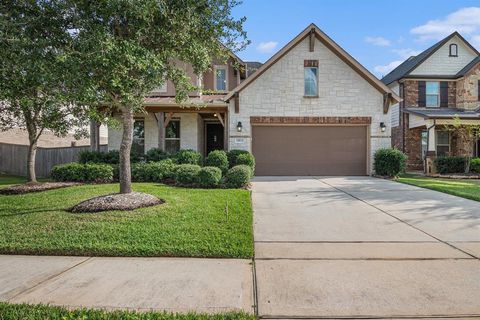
[{"x": 310, "y": 150}]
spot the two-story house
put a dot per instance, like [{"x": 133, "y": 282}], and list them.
[
  {"x": 440, "y": 87},
  {"x": 311, "y": 109}
]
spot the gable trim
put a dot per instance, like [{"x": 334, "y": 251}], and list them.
[{"x": 332, "y": 46}]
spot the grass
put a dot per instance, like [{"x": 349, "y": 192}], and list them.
[
  {"x": 7, "y": 180},
  {"x": 41, "y": 312},
  {"x": 192, "y": 222},
  {"x": 465, "y": 188}
]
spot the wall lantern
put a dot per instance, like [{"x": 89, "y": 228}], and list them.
[
  {"x": 239, "y": 126},
  {"x": 383, "y": 127}
]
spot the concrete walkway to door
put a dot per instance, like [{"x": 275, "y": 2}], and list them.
[{"x": 352, "y": 247}]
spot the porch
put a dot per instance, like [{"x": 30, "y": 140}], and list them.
[{"x": 437, "y": 133}]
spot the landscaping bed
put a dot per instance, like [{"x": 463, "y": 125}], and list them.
[
  {"x": 191, "y": 223},
  {"x": 33, "y": 312},
  {"x": 35, "y": 187},
  {"x": 465, "y": 188}
]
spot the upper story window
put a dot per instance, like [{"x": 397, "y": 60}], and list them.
[
  {"x": 432, "y": 94},
  {"x": 220, "y": 78},
  {"x": 138, "y": 143},
  {"x": 311, "y": 78},
  {"x": 453, "y": 52}
]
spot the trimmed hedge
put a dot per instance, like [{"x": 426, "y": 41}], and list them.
[
  {"x": 111, "y": 157},
  {"x": 246, "y": 159},
  {"x": 450, "y": 164},
  {"x": 209, "y": 177},
  {"x": 152, "y": 171},
  {"x": 232, "y": 156},
  {"x": 389, "y": 162},
  {"x": 156, "y": 154},
  {"x": 187, "y": 174},
  {"x": 188, "y": 156},
  {"x": 77, "y": 172},
  {"x": 475, "y": 165},
  {"x": 238, "y": 176},
  {"x": 219, "y": 159}
]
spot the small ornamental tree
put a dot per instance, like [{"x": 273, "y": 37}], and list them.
[
  {"x": 467, "y": 135},
  {"x": 129, "y": 47},
  {"x": 34, "y": 41}
]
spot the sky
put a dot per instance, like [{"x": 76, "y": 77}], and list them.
[{"x": 380, "y": 34}]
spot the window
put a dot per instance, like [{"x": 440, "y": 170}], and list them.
[
  {"x": 138, "y": 143},
  {"x": 443, "y": 143},
  {"x": 311, "y": 82},
  {"x": 172, "y": 136},
  {"x": 424, "y": 143},
  {"x": 432, "y": 94},
  {"x": 453, "y": 50},
  {"x": 220, "y": 78}
]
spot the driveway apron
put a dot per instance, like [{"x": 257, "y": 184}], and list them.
[{"x": 359, "y": 247}]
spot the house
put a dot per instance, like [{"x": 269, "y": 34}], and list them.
[
  {"x": 439, "y": 87},
  {"x": 311, "y": 109}
]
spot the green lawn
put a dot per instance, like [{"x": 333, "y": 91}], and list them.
[
  {"x": 465, "y": 188},
  {"x": 192, "y": 222},
  {"x": 6, "y": 180},
  {"x": 41, "y": 312}
]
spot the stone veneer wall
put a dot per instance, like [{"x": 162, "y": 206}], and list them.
[
  {"x": 279, "y": 92},
  {"x": 467, "y": 89}
]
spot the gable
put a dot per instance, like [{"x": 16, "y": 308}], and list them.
[{"x": 440, "y": 63}]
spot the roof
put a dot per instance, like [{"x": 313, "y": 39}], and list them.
[
  {"x": 411, "y": 63},
  {"x": 252, "y": 66},
  {"x": 444, "y": 113},
  {"x": 330, "y": 44},
  {"x": 203, "y": 99},
  {"x": 47, "y": 139},
  {"x": 468, "y": 67}
]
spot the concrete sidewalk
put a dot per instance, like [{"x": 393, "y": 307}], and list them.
[{"x": 171, "y": 284}]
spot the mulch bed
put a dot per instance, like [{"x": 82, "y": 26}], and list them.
[
  {"x": 36, "y": 187},
  {"x": 117, "y": 201},
  {"x": 456, "y": 176}
]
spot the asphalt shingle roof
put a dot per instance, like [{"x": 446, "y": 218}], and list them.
[{"x": 445, "y": 113}]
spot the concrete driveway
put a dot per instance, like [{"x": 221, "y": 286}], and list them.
[{"x": 363, "y": 247}]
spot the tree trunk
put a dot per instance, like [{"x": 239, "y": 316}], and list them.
[
  {"x": 32, "y": 151},
  {"x": 125, "y": 147}
]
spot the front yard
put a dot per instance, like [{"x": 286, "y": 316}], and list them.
[
  {"x": 34, "y": 312},
  {"x": 192, "y": 222},
  {"x": 465, "y": 188}
]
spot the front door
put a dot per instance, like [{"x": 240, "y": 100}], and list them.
[{"x": 215, "y": 136}]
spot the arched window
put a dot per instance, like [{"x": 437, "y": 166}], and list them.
[{"x": 453, "y": 50}]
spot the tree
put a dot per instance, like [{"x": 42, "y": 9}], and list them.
[
  {"x": 467, "y": 135},
  {"x": 34, "y": 38},
  {"x": 129, "y": 47}
]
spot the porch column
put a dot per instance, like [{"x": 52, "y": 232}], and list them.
[
  {"x": 431, "y": 150},
  {"x": 161, "y": 130}
]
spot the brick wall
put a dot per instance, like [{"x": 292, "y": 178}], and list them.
[{"x": 411, "y": 93}]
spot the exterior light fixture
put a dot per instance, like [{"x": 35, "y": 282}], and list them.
[
  {"x": 383, "y": 127},
  {"x": 239, "y": 126}
]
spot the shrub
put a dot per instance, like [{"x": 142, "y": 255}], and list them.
[
  {"x": 475, "y": 165},
  {"x": 450, "y": 164},
  {"x": 112, "y": 157},
  {"x": 152, "y": 171},
  {"x": 187, "y": 174},
  {"x": 217, "y": 158},
  {"x": 389, "y": 162},
  {"x": 188, "y": 157},
  {"x": 247, "y": 159},
  {"x": 238, "y": 176},
  {"x": 209, "y": 177},
  {"x": 232, "y": 156},
  {"x": 156, "y": 154},
  {"x": 91, "y": 156},
  {"x": 77, "y": 172}
]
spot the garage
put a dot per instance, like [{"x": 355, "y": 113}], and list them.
[{"x": 293, "y": 150}]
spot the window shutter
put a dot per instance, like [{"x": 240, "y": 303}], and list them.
[
  {"x": 422, "y": 94},
  {"x": 444, "y": 94}
]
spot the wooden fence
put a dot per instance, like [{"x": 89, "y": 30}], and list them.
[{"x": 13, "y": 158}]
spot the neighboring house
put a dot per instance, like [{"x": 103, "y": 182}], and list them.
[
  {"x": 311, "y": 109},
  {"x": 437, "y": 86}
]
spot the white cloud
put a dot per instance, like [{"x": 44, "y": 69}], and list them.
[
  {"x": 406, "y": 52},
  {"x": 378, "y": 41},
  {"x": 267, "y": 47},
  {"x": 465, "y": 20},
  {"x": 383, "y": 70}
]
